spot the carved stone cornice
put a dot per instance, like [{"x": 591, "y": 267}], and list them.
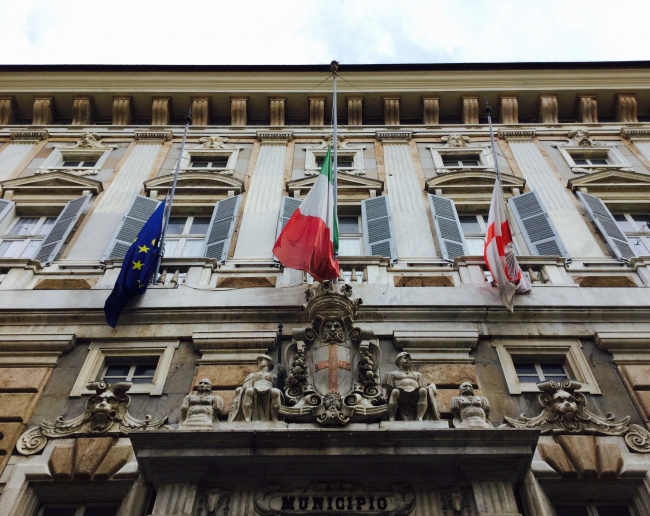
[
  {"x": 29, "y": 136},
  {"x": 153, "y": 136},
  {"x": 635, "y": 134},
  {"x": 516, "y": 134},
  {"x": 275, "y": 136},
  {"x": 437, "y": 346},
  {"x": 394, "y": 136}
]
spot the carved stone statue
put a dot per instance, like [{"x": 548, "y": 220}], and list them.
[
  {"x": 258, "y": 399},
  {"x": 410, "y": 398},
  {"x": 470, "y": 411},
  {"x": 199, "y": 411}
]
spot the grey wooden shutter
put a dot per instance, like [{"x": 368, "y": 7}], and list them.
[
  {"x": 217, "y": 241},
  {"x": 5, "y": 208},
  {"x": 64, "y": 223},
  {"x": 607, "y": 226},
  {"x": 448, "y": 229},
  {"x": 288, "y": 208},
  {"x": 378, "y": 236},
  {"x": 139, "y": 211},
  {"x": 536, "y": 226}
]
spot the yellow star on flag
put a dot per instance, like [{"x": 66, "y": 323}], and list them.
[
  {"x": 153, "y": 242},
  {"x": 138, "y": 265},
  {"x": 143, "y": 248}
]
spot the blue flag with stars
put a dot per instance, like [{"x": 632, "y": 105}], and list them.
[{"x": 137, "y": 267}]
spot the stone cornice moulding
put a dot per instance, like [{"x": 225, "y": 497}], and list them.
[
  {"x": 394, "y": 136},
  {"x": 34, "y": 350},
  {"x": 29, "y": 136},
  {"x": 153, "y": 136},
  {"x": 616, "y": 341},
  {"x": 635, "y": 134},
  {"x": 437, "y": 346},
  {"x": 516, "y": 134},
  {"x": 228, "y": 347},
  {"x": 278, "y": 137}
]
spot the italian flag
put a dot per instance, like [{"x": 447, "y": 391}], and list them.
[{"x": 311, "y": 237}]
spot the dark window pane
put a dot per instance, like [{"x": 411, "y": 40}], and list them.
[
  {"x": 469, "y": 224},
  {"x": 220, "y": 161},
  {"x": 570, "y": 510},
  {"x": 90, "y": 163},
  {"x": 580, "y": 161},
  {"x": 200, "y": 162},
  {"x": 642, "y": 220},
  {"x": 613, "y": 510},
  {"x": 553, "y": 369},
  {"x": 599, "y": 162},
  {"x": 117, "y": 370},
  {"x": 59, "y": 511},
  {"x": 525, "y": 369},
  {"x": 623, "y": 223},
  {"x": 528, "y": 379},
  {"x": 144, "y": 370},
  {"x": 470, "y": 163},
  {"x": 24, "y": 226},
  {"x": 176, "y": 225},
  {"x": 200, "y": 226},
  {"x": 348, "y": 225},
  {"x": 71, "y": 163},
  {"x": 345, "y": 162},
  {"x": 141, "y": 380},
  {"x": 100, "y": 511},
  {"x": 450, "y": 161}
]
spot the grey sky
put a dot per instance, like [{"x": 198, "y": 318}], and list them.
[{"x": 294, "y": 31}]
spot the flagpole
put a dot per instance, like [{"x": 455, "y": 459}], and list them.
[
  {"x": 334, "y": 67},
  {"x": 168, "y": 209},
  {"x": 488, "y": 110}
]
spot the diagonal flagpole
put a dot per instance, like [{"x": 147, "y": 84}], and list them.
[
  {"x": 161, "y": 246},
  {"x": 488, "y": 111}
]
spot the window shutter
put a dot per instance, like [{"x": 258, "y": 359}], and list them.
[
  {"x": 288, "y": 208},
  {"x": 53, "y": 242},
  {"x": 536, "y": 226},
  {"x": 5, "y": 208},
  {"x": 607, "y": 226},
  {"x": 137, "y": 214},
  {"x": 448, "y": 229},
  {"x": 217, "y": 241},
  {"x": 378, "y": 236}
]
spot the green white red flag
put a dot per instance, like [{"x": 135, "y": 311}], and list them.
[{"x": 310, "y": 238}]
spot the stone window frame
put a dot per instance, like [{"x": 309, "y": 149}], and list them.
[
  {"x": 60, "y": 154},
  {"x": 482, "y": 152},
  {"x": 358, "y": 167},
  {"x": 608, "y": 151},
  {"x": 569, "y": 351},
  {"x": 202, "y": 152},
  {"x": 99, "y": 352}
]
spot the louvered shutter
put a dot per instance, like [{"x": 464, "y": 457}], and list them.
[
  {"x": 607, "y": 226},
  {"x": 536, "y": 226},
  {"x": 64, "y": 223},
  {"x": 139, "y": 211},
  {"x": 222, "y": 224},
  {"x": 448, "y": 229},
  {"x": 378, "y": 236},
  {"x": 288, "y": 208},
  {"x": 5, "y": 208}
]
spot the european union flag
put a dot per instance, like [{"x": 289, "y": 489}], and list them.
[{"x": 137, "y": 268}]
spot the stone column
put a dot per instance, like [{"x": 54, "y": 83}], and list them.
[
  {"x": 586, "y": 109},
  {"x": 391, "y": 110},
  {"x": 430, "y": 110},
  {"x": 161, "y": 110},
  {"x": 238, "y": 111},
  {"x": 122, "y": 110},
  {"x": 83, "y": 110},
  {"x": 413, "y": 236},
  {"x": 355, "y": 110},
  {"x": 625, "y": 107},
  {"x": 263, "y": 199},
  {"x": 175, "y": 500},
  {"x": 494, "y": 498},
  {"x": 201, "y": 108},
  {"x": 8, "y": 110},
  {"x": 547, "y": 109},
  {"x": 316, "y": 110},
  {"x": 508, "y": 109},
  {"x": 534, "y": 497},
  {"x": 44, "y": 110},
  {"x": 469, "y": 109},
  {"x": 277, "y": 110}
]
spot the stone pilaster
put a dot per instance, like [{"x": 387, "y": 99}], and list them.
[
  {"x": 175, "y": 500},
  {"x": 44, "y": 110},
  {"x": 122, "y": 110},
  {"x": 161, "y": 110},
  {"x": 469, "y": 109},
  {"x": 83, "y": 110},
  {"x": 494, "y": 498},
  {"x": 277, "y": 110},
  {"x": 430, "y": 110},
  {"x": 238, "y": 111},
  {"x": 201, "y": 109},
  {"x": 391, "y": 110},
  {"x": 586, "y": 109},
  {"x": 625, "y": 107},
  {"x": 508, "y": 109},
  {"x": 547, "y": 109},
  {"x": 8, "y": 110},
  {"x": 355, "y": 110},
  {"x": 316, "y": 110}
]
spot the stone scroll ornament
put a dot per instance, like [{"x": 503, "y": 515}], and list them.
[
  {"x": 333, "y": 373},
  {"x": 107, "y": 413},
  {"x": 565, "y": 412}
]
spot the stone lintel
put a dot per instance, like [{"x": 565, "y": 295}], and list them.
[
  {"x": 234, "y": 340},
  {"x": 8, "y": 110},
  {"x": 34, "y": 350},
  {"x": 83, "y": 110},
  {"x": 29, "y": 136},
  {"x": 620, "y": 340},
  {"x": 516, "y": 134},
  {"x": 275, "y": 136},
  {"x": 635, "y": 134},
  {"x": 394, "y": 136},
  {"x": 437, "y": 346},
  {"x": 153, "y": 136}
]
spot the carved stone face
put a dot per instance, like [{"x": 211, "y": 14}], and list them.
[
  {"x": 263, "y": 363},
  {"x": 106, "y": 407},
  {"x": 404, "y": 362},
  {"x": 205, "y": 386},
  {"x": 332, "y": 331},
  {"x": 564, "y": 403},
  {"x": 466, "y": 389}
]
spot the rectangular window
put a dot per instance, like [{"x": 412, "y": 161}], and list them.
[
  {"x": 25, "y": 236},
  {"x": 455, "y": 160},
  {"x": 79, "y": 510},
  {"x": 535, "y": 372},
  {"x": 79, "y": 164},
  {"x": 209, "y": 161},
  {"x": 186, "y": 236},
  {"x": 637, "y": 231},
  {"x": 590, "y": 161},
  {"x": 474, "y": 228},
  {"x": 592, "y": 509},
  {"x": 350, "y": 236},
  {"x": 342, "y": 161},
  {"x": 130, "y": 372}
]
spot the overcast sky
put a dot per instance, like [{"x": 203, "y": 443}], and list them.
[{"x": 307, "y": 32}]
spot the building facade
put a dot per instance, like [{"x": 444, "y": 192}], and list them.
[{"x": 235, "y": 386}]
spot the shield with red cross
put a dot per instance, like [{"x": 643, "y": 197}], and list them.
[{"x": 332, "y": 368}]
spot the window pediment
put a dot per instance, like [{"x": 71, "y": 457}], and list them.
[
  {"x": 351, "y": 189},
  {"x": 83, "y": 158},
  {"x": 471, "y": 190},
  {"x": 618, "y": 189},
  {"x": 212, "y": 153},
  {"x": 586, "y": 156},
  {"x": 456, "y": 154}
]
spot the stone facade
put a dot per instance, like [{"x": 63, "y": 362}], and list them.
[{"x": 237, "y": 387}]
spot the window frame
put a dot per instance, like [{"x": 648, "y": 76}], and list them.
[
  {"x": 638, "y": 233},
  {"x": 80, "y": 507},
  {"x": 568, "y": 352},
  {"x": 31, "y": 237},
  {"x": 59, "y": 155},
  {"x": 539, "y": 370},
  {"x": 591, "y": 506},
  {"x": 202, "y": 152},
  {"x": 185, "y": 236},
  {"x": 356, "y": 236},
  {"x": 356, "y": 153},
  {"x": 482, "y": 153},
  {"x": 100, "y": 354},
  {"x": 615, "y": 159}
]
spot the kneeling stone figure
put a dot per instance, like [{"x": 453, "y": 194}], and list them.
[
  {"x": 199, "y": 411},
  {"x": 470, "y": 411},
  {"x": 258, "y": 399}
]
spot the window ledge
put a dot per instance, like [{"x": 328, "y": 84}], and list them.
[{"x": 20, "y": 263}]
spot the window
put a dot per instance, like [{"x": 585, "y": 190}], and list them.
[
  {"x": 78, "y": 510},
  {"x": 590, "y": 161},
  {"x": 186, "y": 236},
  {"x": 145, "y": 364},
  {"x": 474, "y": 228},
  {"x": 218, "y": 161},
  {"x": 342, "y": 161},
  {"x": 79, "y": 164},
  {"x": 25, "y": 236},
  {"x": 587, "y": 159},
  {"x": 637, "y": 230},
  {"x": 529, "y": 372},
  {"x": 350, "y": 236},
  {"x": 455, "y": 158},
  {"x": 461, "y": 161},
  {"x": 592, "y": 509}
]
